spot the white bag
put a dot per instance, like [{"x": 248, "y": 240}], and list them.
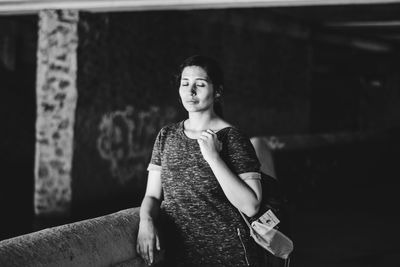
[{"x": 270, "y": 238}]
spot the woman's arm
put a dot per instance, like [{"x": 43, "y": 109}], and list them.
[
  {"x": 245, "y": 195},
  {"x": 148, "y": 238},
  {"x": 151, "y": 202}
]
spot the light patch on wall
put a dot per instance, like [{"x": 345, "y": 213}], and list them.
[
  {"x": 126, "y": 139},
  {"x": 274, "y": 143},
  {"x": 56, "y": 103}
]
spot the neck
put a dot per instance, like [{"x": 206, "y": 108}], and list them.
[{"x": 200, "y": 121}]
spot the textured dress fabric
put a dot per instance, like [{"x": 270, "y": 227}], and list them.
[{"x": 202, "y": 227}]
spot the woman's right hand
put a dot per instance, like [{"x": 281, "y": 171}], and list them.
[{"x": 147, "y": 240}]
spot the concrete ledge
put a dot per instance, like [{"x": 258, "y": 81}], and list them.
[{"x": 108, "y": 240}]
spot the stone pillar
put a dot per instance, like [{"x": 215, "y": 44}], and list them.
[{"x": 56, "y": 103}]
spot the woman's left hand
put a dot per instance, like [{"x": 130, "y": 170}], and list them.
[{"x": 209, "y": 144}]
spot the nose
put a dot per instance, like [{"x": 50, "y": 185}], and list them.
[{"x": 193, "y": 90}]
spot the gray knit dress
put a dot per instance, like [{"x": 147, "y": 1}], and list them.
[{"x": 202, "y": 227}]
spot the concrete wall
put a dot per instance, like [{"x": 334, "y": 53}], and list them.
[
  {"x": 126, "y": 68},
  {"x": 279, "y": 81},
  {"x": 353, "y": 90},
  {"x": 56, "y": 96}
]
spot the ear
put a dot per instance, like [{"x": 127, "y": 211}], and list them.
[{"x": 218, "y": 92}]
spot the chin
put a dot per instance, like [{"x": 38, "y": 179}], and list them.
[
  {"x": 195, "y": 108},
  {"x": 189, "y": 108}
]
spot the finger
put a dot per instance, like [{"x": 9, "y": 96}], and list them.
[
  {"x": 158, "y": 243},
  {"x": 140, "y": 251},
  {"x": 210, "y": 136},
  {"x": 151, "y": 253},
  {"x": 213, "y": 134},
  {"x": 210, "y": 132},
  {"x": 219, "y": 145},
  {"x": 138, "y": 248},
  {"x": 144, "y": 252},
  {"x": 201, "y": 138},
  {"x": 207, "y": 134}
]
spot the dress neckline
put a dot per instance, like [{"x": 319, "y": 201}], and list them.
[{"x": 182, "y": 130}]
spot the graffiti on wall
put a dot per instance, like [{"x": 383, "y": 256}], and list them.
[
  {"x": 126, "y": 139},
  {"x": 56, "y": 103}
]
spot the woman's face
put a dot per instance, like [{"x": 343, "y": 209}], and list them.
[{"x": 196, "y": 90}]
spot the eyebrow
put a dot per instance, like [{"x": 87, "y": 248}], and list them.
[{"x": 197, "y": 79}]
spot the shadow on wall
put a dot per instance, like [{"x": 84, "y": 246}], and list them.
[
  {"x": 18, "y": 37},
  {"x": 342, "y": 195}
]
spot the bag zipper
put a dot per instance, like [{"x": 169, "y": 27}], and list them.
[{"x": 244, "y": 248}]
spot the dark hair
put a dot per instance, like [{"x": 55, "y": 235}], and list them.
[{"x": 214, "y": 72}]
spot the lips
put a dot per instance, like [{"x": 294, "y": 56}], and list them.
[{"x": 192, "y": 101}]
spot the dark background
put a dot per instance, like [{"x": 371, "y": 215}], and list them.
[{"x": 283, "y": 79}]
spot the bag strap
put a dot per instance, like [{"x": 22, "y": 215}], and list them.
[{"x": 246, "y": 221}]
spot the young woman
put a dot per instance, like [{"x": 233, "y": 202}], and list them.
[{"x": 203, "y": 170}]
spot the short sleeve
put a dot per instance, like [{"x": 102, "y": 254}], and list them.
[
  {"x": 241, "y": 156},
  {"x": 155, "y": 160}
]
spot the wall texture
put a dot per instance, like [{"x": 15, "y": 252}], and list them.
[
  {"x": 56, "y": 101},
  {"x": 278, "y": 81},
  {"x": 126, "y": 70}
]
